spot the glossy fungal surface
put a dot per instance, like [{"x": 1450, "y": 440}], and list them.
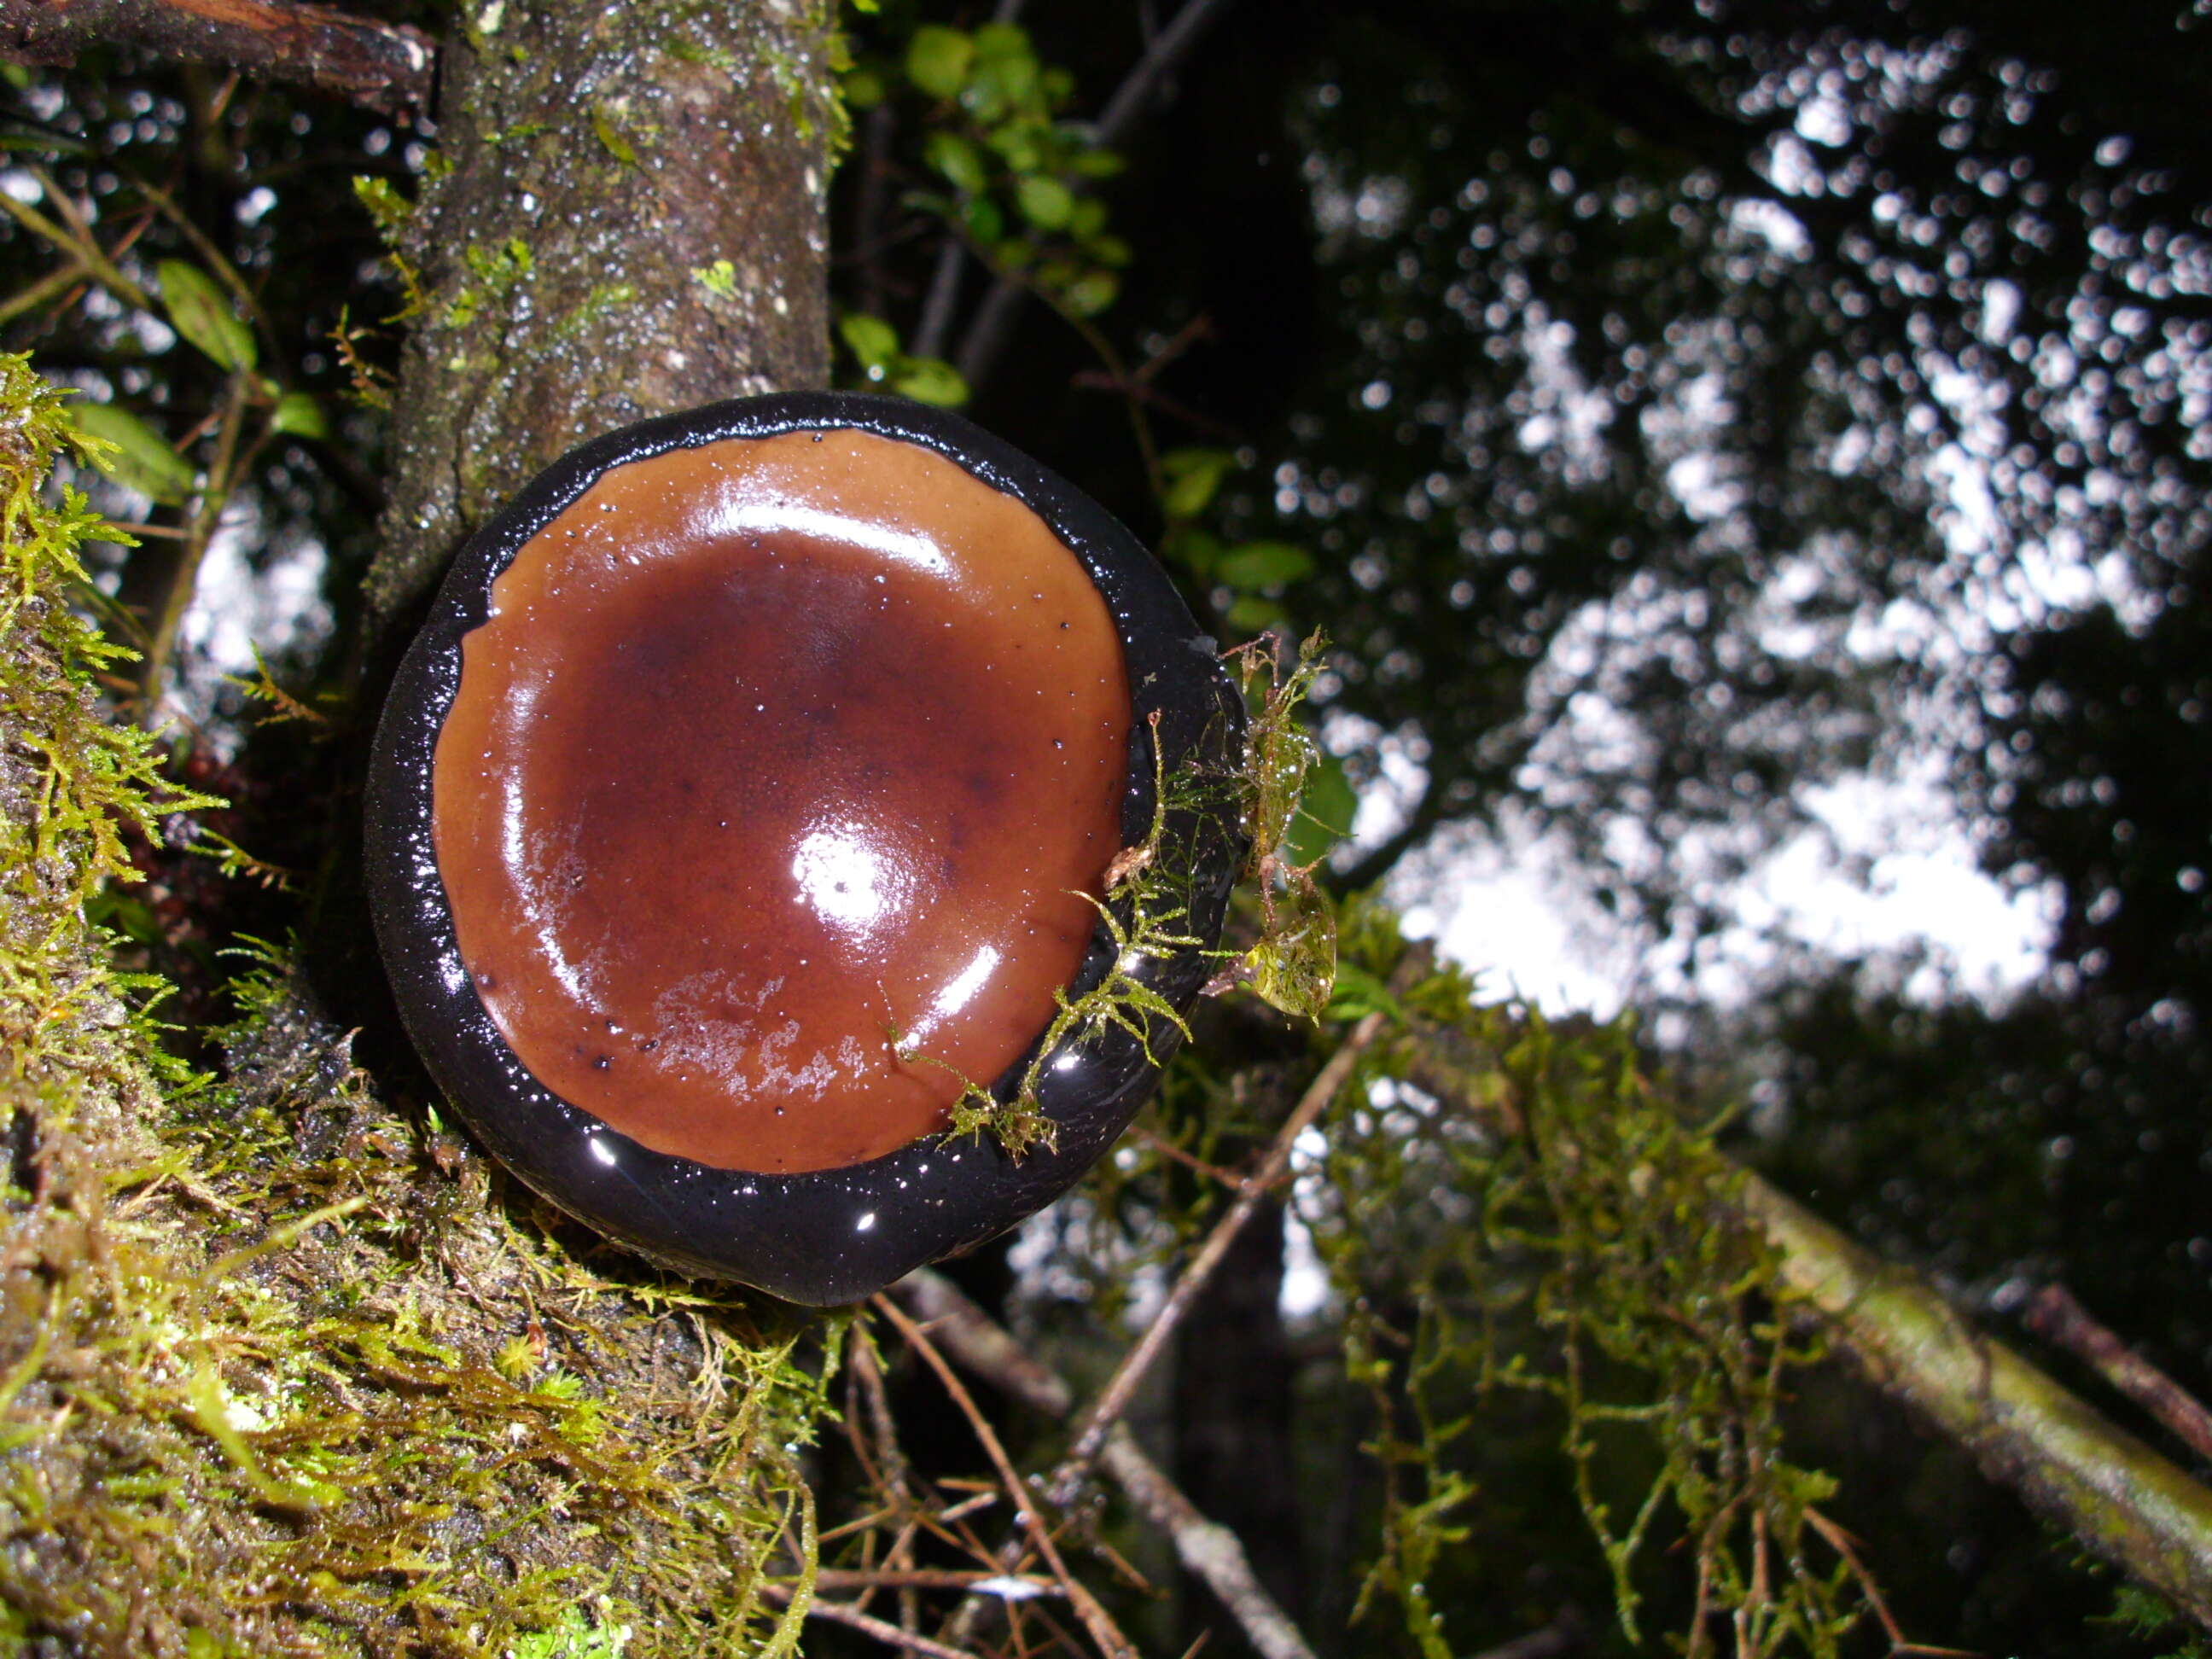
[
  {"x": 777, "y": 765},
  {"x": 733, "y": 812}
]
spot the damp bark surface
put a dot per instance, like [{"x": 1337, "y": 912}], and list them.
[
  {"x": 624, "y": 217},
  {"x": 770, "y": 791}
]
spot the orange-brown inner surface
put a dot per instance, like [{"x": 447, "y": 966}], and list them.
[{"x": 776, "y": 761}]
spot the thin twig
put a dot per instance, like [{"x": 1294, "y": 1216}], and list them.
[
  {"x": 59, "y": 279},
  {"x": 1567, "y": 1634},
  {"x": 2057, "y": 1317},
  {"x": 869, "y": 203},
  {"x": 1841, "y": 1542},
  {"x": 207, "y": 517},
  {"x": 1209, "y": 1553},
  {"x": 959, "y": 1579},
  {"x": 1114, "y": 1398},
  {"x": 944, "y": 295},
  {"x": 868, "y": 1624},
  {"x": 1168, "y": 49},
  {"x": 1166, "y": 1148},
  {"x": 385, "y": 66},
  {"x": 226, "y": 272},
  {"x": 1109, "y": 1639},
  {"x": 86, "y": 252}
]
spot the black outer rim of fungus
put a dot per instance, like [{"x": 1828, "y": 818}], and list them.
[{"x": 826, "y": 1237}]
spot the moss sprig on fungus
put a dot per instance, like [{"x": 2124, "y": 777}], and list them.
[
  {"x": 1148, "y": 895},
  {"x": 281, "y": 1366},
  {"x": 1145, "y": 911}
]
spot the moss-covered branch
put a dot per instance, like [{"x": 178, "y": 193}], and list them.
[
  {"x": 2119, "y": 1499},
  {"x": 2116, "y": 1497}
]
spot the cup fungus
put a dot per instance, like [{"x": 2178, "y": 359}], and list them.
[{"x": 738, "y": 814}]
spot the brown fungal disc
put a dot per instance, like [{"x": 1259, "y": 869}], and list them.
[{"x": 771, "y": 783}]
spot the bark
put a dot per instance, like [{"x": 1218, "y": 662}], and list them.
[
  {"x": 603, "y": 159},
  {"x": 385, "y": 66}
]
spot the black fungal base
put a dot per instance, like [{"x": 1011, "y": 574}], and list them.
[{"x": 832, "y": 1236}]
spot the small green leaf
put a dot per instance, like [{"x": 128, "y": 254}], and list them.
[
  {"x": 938, "y": 60},
  {"x": 1005, "y": 73},
  {"x": 1294, "y": 966},
  {"x": 873, "y": 340},
  {"x": 1087, "y": 217},
  {"x": 300, "y": 414},
  {"x": 930, "y": 381},
  {"x": 1326, "y": 810},
  {"x": 1045, "y": 203},
  {"x": 959, "y": 161},
  {"x": 385, "y": 205},
  {"x": 203, "y": 314},
  {"x": 1022, "y": 144},
  {"x": 1097, "y": 164},
  {"x": 142, "y": 460},
  {"x": 1251, "y": 614},
  {"x": 1092, "y": 292},
  {"x": 864, "y": 87},
  {"x": 1194, "y": 550},
  {"x": 1256, "y": 565},
  {"x": 982, "y": 219},
  {"x": 1358, "y": 992},
  {"x": 719, "y": 279},
  {"x": 610, "y": 135},
  {"x": 1194, "y": 476}
]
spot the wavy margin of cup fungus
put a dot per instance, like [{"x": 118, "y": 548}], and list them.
[{"x": 832, "y": 1236}]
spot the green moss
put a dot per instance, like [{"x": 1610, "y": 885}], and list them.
[
  {"x": 283, "y": 1366},
  {"x": 1598, "y": 1263}
]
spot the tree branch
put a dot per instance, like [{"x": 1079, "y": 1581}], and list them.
[
  {"x": 1378, "y": 861},
  {"x": 1111, "y": 1642},
  {"x": 2119, "y": 1498},
  {"x": 1211, "y": 1553},
  {"x": 1113, "y": 1398},
  {"x": 385, "y": 66},
  {"x": 994, "y": 322},
  {"x": 2116, "y": 1497},
  {"x": 2057, "y": 1317},
  {"x": 842, "y": 1613}
]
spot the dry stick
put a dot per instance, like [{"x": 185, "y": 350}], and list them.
[
  {"x": 1565, "y": 1634},
  {"x": 385, "y": 66},
  {"x": 1840, "y": 1541},
  {"x": 1211, "y": 1552},
  {"x": 1114, "y": 1399},
  {"x": 868, "y": 1624},
  {"x": 206, "y": 519},
  {"x": 1111, "y": 1641},
  {"x": 862, "y": 1578},
  {"x": 2056, "y": 1316}
]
